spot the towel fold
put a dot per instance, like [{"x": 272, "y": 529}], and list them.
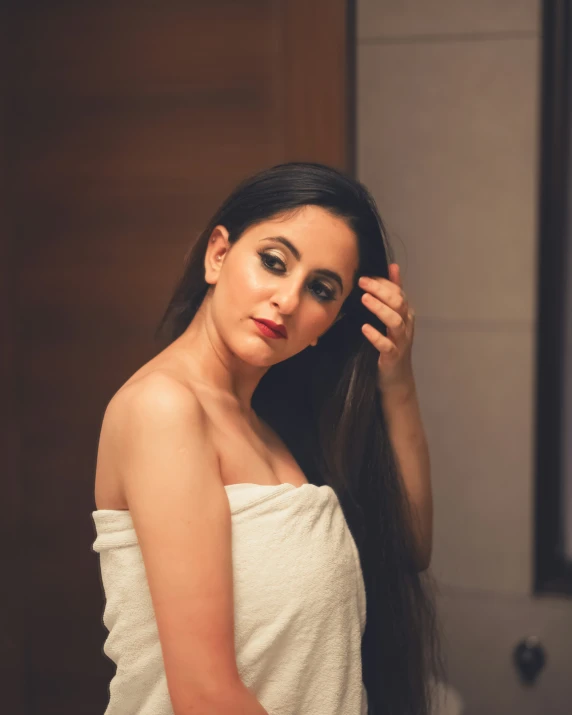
[{"x": 299, "y": 600}]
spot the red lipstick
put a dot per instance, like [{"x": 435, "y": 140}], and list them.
[{"x": 270, "y": 328}]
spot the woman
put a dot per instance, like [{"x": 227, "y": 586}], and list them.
[{"x": 241, "y": 467}]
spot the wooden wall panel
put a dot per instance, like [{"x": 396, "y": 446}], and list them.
[{"x": 124, "y": 124}]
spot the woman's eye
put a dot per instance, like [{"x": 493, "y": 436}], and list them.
[
  {"x": 266, "y": 258},
  {"x": 328, "y": 294},
  {"x": 269, "y": 261}
]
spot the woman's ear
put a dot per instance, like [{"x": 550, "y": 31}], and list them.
[{"x": 217, "y": 249}]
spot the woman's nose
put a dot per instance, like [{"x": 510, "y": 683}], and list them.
[{"x": 288, "y": 297}]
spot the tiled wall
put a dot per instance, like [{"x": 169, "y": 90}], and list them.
[
  {"x": 448, "y": 133},
  {"x": 447, "y": 142}
]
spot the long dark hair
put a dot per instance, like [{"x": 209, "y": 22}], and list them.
[{"x": 325, "y": 404}]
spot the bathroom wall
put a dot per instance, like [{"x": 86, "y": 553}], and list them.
[{"x": 448, "y": 138}]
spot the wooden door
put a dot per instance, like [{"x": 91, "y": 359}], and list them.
[{"x": 123, "y": 125}]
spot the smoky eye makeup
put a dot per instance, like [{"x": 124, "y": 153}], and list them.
[
  {"x": 271, "y": 261},
  {"x": 282, "y": 240}
]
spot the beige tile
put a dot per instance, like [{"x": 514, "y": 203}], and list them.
[
  {"x": 447, "y": 138},
  {"x": 391, "y": 18},
  {"x": 482, "y": 630},
  {"x": 476, "y": 397}
]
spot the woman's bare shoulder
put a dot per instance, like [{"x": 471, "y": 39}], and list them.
[
  {"x": 157, "y": 394},
  {"x": 156, "y": 383},
  {"x": 152, "y": 406}
]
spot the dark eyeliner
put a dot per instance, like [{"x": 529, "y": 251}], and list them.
[
  {"x": 330, "y": 295},
  {"x": 264, "y": 255}
]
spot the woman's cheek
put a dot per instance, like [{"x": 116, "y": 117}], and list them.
[{"x": 241, "y": 280}]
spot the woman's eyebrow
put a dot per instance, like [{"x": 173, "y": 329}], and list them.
[{"x": 297, "y": 255}]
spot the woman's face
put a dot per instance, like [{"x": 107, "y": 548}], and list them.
[{"x": 301, "y": 286}]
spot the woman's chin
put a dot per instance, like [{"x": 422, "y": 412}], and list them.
[{"x": 260, "y": 354}]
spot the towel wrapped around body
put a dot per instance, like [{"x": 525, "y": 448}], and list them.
[{"x": 299, "y": 598}]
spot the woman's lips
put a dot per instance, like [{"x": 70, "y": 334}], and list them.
[{"x": 265, "y": 330}]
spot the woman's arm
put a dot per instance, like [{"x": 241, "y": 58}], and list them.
[
  {"x": 407, "y": 437},
  {"x": 169, "y": 472}
]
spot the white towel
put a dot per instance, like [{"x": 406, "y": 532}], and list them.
[{"x": 300, "y": 605}]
